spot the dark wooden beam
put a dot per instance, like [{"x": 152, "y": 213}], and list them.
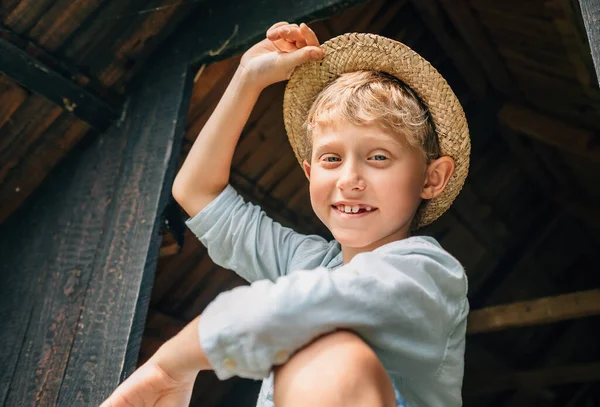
[
  {"x": 41, "y": 79},
  {"x": 590, "y": 12},
  {"x": 551, "y": 131},
  {"x": 474, "y": 35},
  {"x": 78, "y": 259},
  {"x": 540, "y": 311},
  {"x": 493, "y": 382},
  {"x": 465, "y": 62},
  {"x": 235, "y": 26},
  {"x": 561, "y": 195}
]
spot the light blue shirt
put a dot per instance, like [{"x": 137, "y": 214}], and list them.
[{"x": 407, "y": 300}]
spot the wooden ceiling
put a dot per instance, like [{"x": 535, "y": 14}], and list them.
[
  {"x": 525, "y": 226},
  {"x": 99, "y": 46}
]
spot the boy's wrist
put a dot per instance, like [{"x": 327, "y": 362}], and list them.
[
  {"x": 182, "y": 356},
  {"x": 248, "y": 80}
]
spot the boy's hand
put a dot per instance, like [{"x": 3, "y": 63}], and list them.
[
  {"x": 151, "y": 385},
  {"x": 168, "y": 377},
  {"x": 274, "y": 58}
]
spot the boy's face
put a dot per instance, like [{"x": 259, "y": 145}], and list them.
[{"x": 369, "y": 169}]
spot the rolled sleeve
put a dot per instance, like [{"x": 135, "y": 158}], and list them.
[
  {"x": 403, "y": 306},
  {"x": 239, "y": 236}
]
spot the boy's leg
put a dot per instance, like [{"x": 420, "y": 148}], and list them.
[{"x": 338, "y": 369}]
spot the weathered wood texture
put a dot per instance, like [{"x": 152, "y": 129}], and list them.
[
  {"x": 535, "y": 312},
  {"x": 494, "y": 382},
  {"x": 78, "y": 261},
  {"x": 590, "y": 12},
  {"x": 474, "y": 35},
  {"x": 89, "y": 48},
  {"x": 41, "y": 79},
  {"x": 249, "y": 20},
  {"x": 473, "y": 75},
  {"x": 557, "y": 133},
  {"x": 35, "y": 134},
  {"x": 111, "y": 39},
  {"x": 546, "y": 54}
]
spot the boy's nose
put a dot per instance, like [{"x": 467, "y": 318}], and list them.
[{"x": 350, "y": 180}]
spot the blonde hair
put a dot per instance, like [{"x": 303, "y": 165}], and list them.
[{"x": 365, "y": 97}]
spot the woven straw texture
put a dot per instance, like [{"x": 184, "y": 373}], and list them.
[{"x": 356, "y": 51}]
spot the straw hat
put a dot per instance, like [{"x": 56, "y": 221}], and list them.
[{"x": 352, "y": 52}]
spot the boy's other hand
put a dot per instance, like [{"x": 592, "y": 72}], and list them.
[
  {"x": 274, "y": 58},
  {"x": 151, "y": 385}
]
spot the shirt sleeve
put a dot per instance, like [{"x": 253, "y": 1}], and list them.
[
  {"x": 239, "y": 236},
  {"x": 404, "y": 305}
]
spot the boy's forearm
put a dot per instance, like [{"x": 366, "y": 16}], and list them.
[
  {"x": 182, "y": 356},
  {"x": 205, "y": 172}
]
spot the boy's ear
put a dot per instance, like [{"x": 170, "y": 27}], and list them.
[
  {"x": 306, "y": 168},
  {"x": 437, "y": 175}
]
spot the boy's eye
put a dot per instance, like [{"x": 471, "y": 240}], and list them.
[
  {"x": 379, "y": 157},
  {"x": 332, "y": 159}
]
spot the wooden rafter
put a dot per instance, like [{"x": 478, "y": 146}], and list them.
[
  {"x": 493, "y": 382},
  {"x": 541, "y": 311},
  {"x": 433, "y": 17},
  {"x": 474, "y": 35},
  {"x": 247, "y": 23},
  {"x": 43, "y": 80},
  {"x": 590, "y": 12},
  {"x": 563, "y": 199},
  {"x": 551, "y": 131}
]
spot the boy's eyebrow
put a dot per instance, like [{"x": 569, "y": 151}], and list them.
[{"x": 335, "y": 141}]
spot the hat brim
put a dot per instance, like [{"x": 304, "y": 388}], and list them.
[{"x": 357, "y": 51}]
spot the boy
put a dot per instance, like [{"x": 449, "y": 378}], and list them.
[{"x": 373, "y": 318}]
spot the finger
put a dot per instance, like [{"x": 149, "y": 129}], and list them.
[
  {"x": 285, "y": 46},
  {"x": 291, "y": 33},
  {"x": 278, "y": 29},
  {"x": 309, "y": 35},
  {"x": 292, "y": 59},
  {"x": 276, "y": 25},
  {"x": 300, "y": 44}
]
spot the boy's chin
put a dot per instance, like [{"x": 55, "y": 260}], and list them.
[{"x": 351, "y": 240}]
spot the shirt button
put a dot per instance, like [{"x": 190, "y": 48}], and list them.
[
  {"x": 229, "y": 364},
  {"x": 281, "y": 357}
]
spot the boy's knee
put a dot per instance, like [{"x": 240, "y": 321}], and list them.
[{"x": 338, "y": 369}]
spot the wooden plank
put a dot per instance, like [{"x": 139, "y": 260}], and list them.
[
  {"x": 151, "y": 25},
  {"x": 60, "y": 21},
  {"x": 11, "y": 97},
  {"x": 77, "y": 272},
  {"x": 474, "y": 35},
  {"x": 492, "y": 382},
  {"x": 51, "y": 147},
  {"x": 549, "y": 130},
  {"x": 433, "y": 17},
  {"x": 39, "y": 78},
  {"x": 545, "y": 177},
  {"x": 108, "y": 23},
  {"x": 25, "y": 14},
  {"x": 575, "y": 343},
  {"x": 30, "y": 123},
  {"x": 541, "y": 311},
  {"x": 590, "y": 12},
  {"x": 244, "y": 23},
  {"x": 61, "y": 65}
]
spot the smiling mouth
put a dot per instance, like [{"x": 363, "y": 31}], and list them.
[{"x": 353, "y": 210}]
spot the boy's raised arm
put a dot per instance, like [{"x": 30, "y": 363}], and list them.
[{"x": 205, "y": 172}]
